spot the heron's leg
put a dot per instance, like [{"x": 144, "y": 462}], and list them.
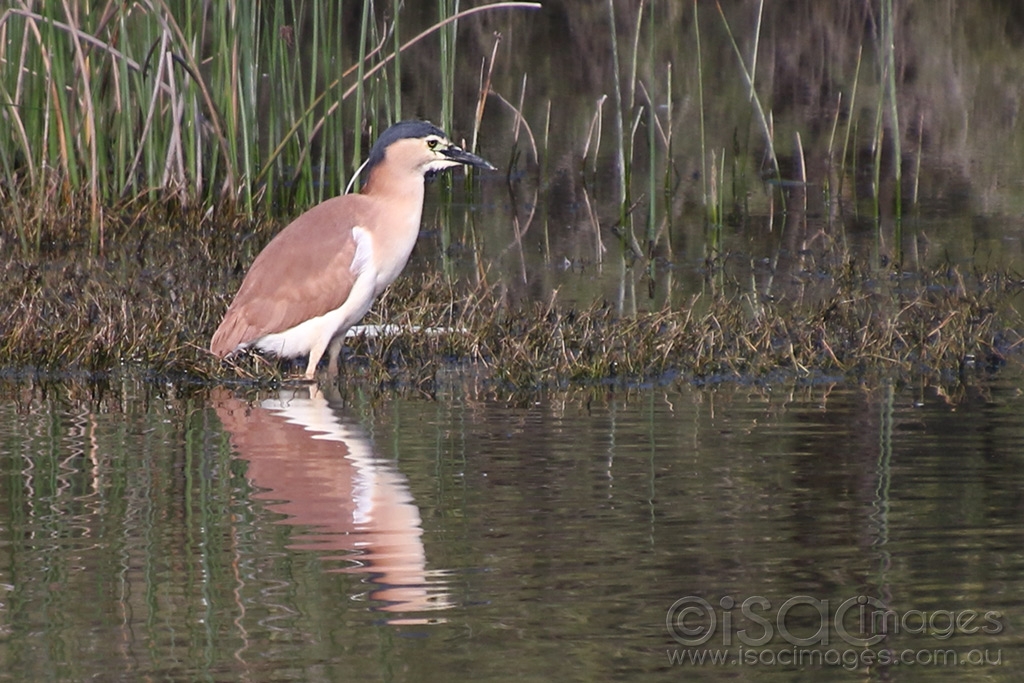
[{"x": 333, "y": 353}]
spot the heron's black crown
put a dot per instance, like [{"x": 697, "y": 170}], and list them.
[{"x": 399, "y": 131}]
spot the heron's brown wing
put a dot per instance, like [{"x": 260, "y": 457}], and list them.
[{"x": 304, "y": 272}]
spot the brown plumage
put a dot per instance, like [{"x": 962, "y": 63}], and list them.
[
  {"x": 262, "y": 306},
  {"x": 319, "y": 275}
]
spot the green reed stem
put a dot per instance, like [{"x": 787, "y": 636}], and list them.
[
  {"x": 889, "y": 88},
  {"x": 360, "y": 80},
  {"x": 851, "y": 123},
  {"x": 448, "y": 38},
  {"x": 748, "y": 76},
  {"x": 620, "y": 136},
  {"x": 317, "y": 177},
  {"x": 889, "y": 59},
  {"x": 700, "y": 107},
  {"x": 396, "y": 45},
  {"x": 830, "y": 154},
  {"x": 877, "y": 141}
]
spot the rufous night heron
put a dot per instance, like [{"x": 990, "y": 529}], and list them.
[{"x": 319, "y": 276}]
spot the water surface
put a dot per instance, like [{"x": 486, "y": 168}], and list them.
[{"x": 298, "y": 535}]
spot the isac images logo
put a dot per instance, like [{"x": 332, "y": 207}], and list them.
[{"x": 803, "y": 630}]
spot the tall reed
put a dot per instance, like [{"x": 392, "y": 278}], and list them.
[
  {"x": 447, "y": 37},
  {"x": 888, "y": 89},
  {"x": 201, "y": 102},
  {"x": 704, "y": 175},
  {"x": 618, "y": 116},
  {"x": 749, "y": 76}
]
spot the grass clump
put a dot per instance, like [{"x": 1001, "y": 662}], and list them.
[
  {"x": 152, "y": 303},
  {"x": 203, "y": 103}
]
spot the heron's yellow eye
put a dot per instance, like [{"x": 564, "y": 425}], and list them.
[{"x": 432, "y": 143}]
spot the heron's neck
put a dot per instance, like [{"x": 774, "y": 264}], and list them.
[
  {"x": 398, "y": 203},
  {"x": 390, "y": 185}
]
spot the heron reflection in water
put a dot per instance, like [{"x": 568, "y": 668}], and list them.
[{"x": 311, "y": 464}]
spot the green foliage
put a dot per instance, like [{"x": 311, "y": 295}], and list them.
[{"x": 199, "y": 102}]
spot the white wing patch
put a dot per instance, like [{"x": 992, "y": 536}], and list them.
[{"x": 364, "y": 250}]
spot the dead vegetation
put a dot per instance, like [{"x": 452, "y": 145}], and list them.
[{"x": 152, "y": 303}]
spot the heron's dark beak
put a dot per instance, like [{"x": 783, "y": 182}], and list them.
[{"x": 463, "y": 157}]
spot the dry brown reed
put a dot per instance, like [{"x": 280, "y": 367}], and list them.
[{"x": 151, "y": 304}]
